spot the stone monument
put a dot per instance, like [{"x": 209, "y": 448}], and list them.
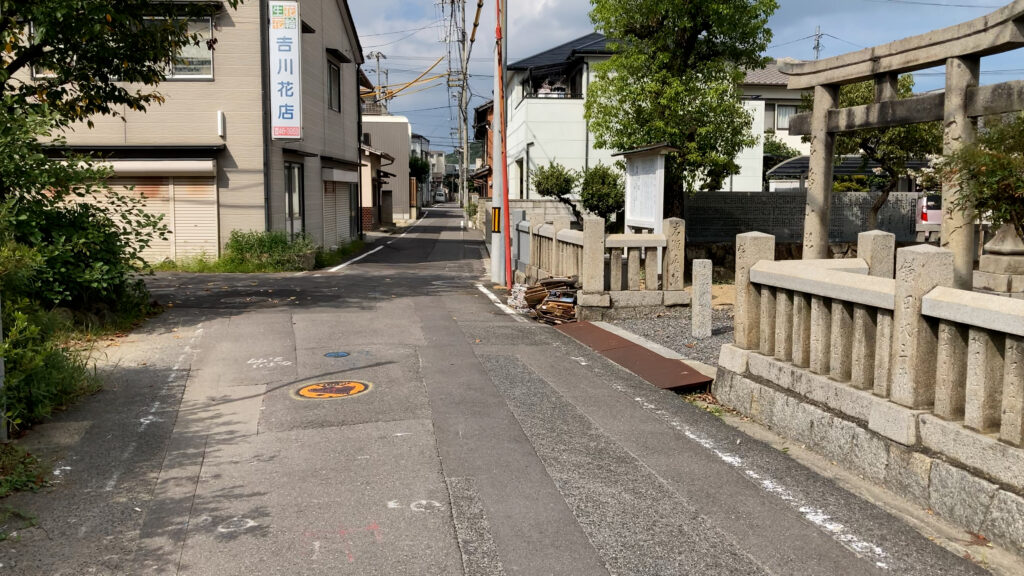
[{"x": 1001, "y": 268}]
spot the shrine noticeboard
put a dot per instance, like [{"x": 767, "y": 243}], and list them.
[{"x": 645, "y": 190}]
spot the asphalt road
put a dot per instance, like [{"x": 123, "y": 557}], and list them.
[{"x": 481, "y": 445}]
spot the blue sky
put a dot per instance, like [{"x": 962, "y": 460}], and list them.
[{"x": 409, "y": 34}]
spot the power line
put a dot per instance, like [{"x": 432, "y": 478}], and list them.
[
  {"x": 922, "y": 3},
  {"x": 791, "y": 42},
  {"x": 431, "y": 25},
  {"x": 410, "y": 35},
  {"x": 842, "y": 40}
]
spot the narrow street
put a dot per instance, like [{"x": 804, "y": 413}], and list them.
[{"x": 482, "y": 445}]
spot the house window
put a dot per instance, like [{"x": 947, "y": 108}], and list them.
[
  {"x": 195, "y": 60},
  {"x": 334, "y": 86},
  {"x": 783, "y": 115},
  {"x": 294, "y": 197},
  {"x": 769, "y": 117}
]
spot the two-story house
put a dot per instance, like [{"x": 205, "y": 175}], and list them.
[
  {"x": 545, "y": 95},
  {"x": 207, "y": 159}
]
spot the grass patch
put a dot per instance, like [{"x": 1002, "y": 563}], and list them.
[
  {"x": 328, "y": 258},
  {"x": 19, "y": 471},
  {"x": 12, "y": 520},
  {"x": 251, "y": 252}
]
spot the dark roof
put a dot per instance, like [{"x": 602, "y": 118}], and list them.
[
  {"x": 767, "y": 76},
  {"x": 852, "y": 165},
  {"x": 593, "y": 43}
]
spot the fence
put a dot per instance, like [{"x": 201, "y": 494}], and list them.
[
  {"x": 886, "y": 343},
  {"x": 719, "y": 216}
]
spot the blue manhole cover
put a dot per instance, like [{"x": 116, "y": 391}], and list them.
[{"x": 336, "y": 355}]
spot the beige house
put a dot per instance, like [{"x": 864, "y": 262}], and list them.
[
  {"x": 392, "y": 135},
  {"x": 374, "y": 178},
  {"x": 205, "y": 159}
]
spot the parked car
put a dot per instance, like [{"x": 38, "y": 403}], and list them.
[
  {"x": 440, "y": 196},
  {"x": 929, "y": 218}
]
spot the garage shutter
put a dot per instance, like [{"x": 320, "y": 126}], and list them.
[
  {"x": 156, "y": 192},
  {"x": 344, "y": 212},
  {"x": 195, "y": 216},
  {"x": 330, "y": 215}
]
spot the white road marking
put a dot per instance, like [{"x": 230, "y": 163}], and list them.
[
  {"x": 499, "y": 304},
  {"x": 812, "y": 514},
  {"x": 356, "y": 259}
]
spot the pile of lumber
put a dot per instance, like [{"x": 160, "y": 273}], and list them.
[{"x": 554, "y": 299}]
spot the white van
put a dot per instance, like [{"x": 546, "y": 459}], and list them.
[{"x": 440, "y": 196}]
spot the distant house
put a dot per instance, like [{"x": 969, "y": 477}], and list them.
[
  {"x": 392, "y": 135},
  {"x": 206, "y": 159},
  {"x": 545, "y": 95},
  {"x": 374, "y": 179},
  {"x": 483, "y": 115}
]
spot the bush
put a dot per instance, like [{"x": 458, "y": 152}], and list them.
[
  {"x": 269, "y": 251},
  {"x": 603, "y": 191},
  {"x": 557, "y": 181},
  {"x": 471, "y": 209}
]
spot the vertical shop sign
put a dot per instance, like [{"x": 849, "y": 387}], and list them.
[{"x": 285, "y": 70}]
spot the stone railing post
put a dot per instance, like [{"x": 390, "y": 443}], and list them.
[
  {"x": 673, "y": 262},
  {"x": 700, "y": 304},
  {"x": 592, "y": 274},
  {"x": 560, "y": 223},
  {"x": 515, "y": 217},
  {"x": 878, "y": 249},
  {"x": 913, "y": 362},
  {"x": 751, "y": 248}
]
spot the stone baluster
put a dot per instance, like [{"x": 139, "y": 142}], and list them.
[
  {"x": 615, "y": 270},
  {"x": 951, "y": 371},
  {"x": 1011, "y": 428},
  {"x": 784, "y": 325},
  {"x": 821, "y": 334},
  {"x": 883, "y": 354},
  {"x": 766, "y": 328},
  {"x": 862, "y": 368},
  {"x": 841, "y": 331},
  {"x": 801, "y": 330},
  {"x": 560, "y": 223},
  {"x": 651, "y": 268},
  {"x": 633, "y": 268},
  {"x": 984, "y": 380}
]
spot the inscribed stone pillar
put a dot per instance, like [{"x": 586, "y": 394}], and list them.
[
  {"x": 984, "y": 380},
  {"x": 878, "y": 249},
  {"x": 951, "y": 371},
  {"x": 819, "y": 194},
  {"x": 751, "y": 248},
  {"x": 592, "y": 274},
  {"x": 674, "y": 261},
  {"x": 1012, "y": 426},
  {"x": 958, "y": 226},
  {"x": 700, "y": 304},
  {"x": 919, "y": 269}
]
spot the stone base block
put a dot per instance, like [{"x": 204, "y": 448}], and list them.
[
  {"x": 857, "y": 404},
  {"x": 957, "y": 491},
  {"x": 998, "y": 264},
  {"x": 733, "y": 358},
  {"x": 1000, "y": 462},
  {"x": 595, "y": 299},
  {"x": 991, "y": 281},
  {"x": 635, "y": 298},
  {"x": 676, "y": 298},
  {"x": 895, "y": 422}
]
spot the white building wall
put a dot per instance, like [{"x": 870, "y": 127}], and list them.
[{"x": 750, "y": 160}]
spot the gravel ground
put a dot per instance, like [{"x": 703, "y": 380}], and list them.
[{"x": 673, "y": 331}]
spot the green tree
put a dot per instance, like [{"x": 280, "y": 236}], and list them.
[
  {"x": 92, "y": 56},
  {"x": 602, "y": 191},
  {"x": 675, "y": 77},
  {"x": 558, "y": 182},
  {"x": 419, "y": 168},
  {"x": 892, "y": 148}
]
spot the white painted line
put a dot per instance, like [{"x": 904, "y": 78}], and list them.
[
  {"x": 356, "y": 259},
  {"x": 499, "y": 304},
  {"x": 815, "y": 515}
]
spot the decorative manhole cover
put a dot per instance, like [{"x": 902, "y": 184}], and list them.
[
  {"x": 335, "y": 389},
  {"x": 336, "y": 355}
]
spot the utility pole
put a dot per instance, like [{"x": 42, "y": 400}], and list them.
[
  {"x": 817, "y": 42},
  {"x": 380, "y": 88},
  {"x": 501, "y": 115},
  {"x": 464, "y": 109}
]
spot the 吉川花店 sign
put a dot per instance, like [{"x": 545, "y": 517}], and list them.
[{"x": 285, "y": 74}]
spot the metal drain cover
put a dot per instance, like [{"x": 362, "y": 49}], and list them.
[{"x": 333, "y": 389}]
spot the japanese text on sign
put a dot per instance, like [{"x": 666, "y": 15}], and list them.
[{"x": 285, "y": 71}]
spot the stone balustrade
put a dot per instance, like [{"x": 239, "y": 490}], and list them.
[
  {"x": 881, "y": 364},
  {"x": 625, "y": 271}
]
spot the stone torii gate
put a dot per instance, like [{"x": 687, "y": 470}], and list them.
[{"x": 960, "y": 49}]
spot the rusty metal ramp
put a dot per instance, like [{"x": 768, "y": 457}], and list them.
[{"x": 665, "y": 373}]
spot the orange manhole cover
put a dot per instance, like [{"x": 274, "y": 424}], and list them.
[{"x": 337, "y": 389}]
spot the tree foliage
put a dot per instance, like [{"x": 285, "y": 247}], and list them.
[
  {"x": 892, "y": 148},
  {"x": 675, "y": 77},
  {"x": 558, "y": 182},
  {"x": 602, "y": 191},
  {"x": 419, "y": 168},
  {"x": 990, "y": 173},
  {"x": 85, "y": 57}
]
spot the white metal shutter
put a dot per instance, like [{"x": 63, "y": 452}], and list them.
[
  {"x": 156, "y": 193},
  {"x": 195, "y": 216},
  {"x": 330, "y": 216},
  {"x": 344, "y": 213}
]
